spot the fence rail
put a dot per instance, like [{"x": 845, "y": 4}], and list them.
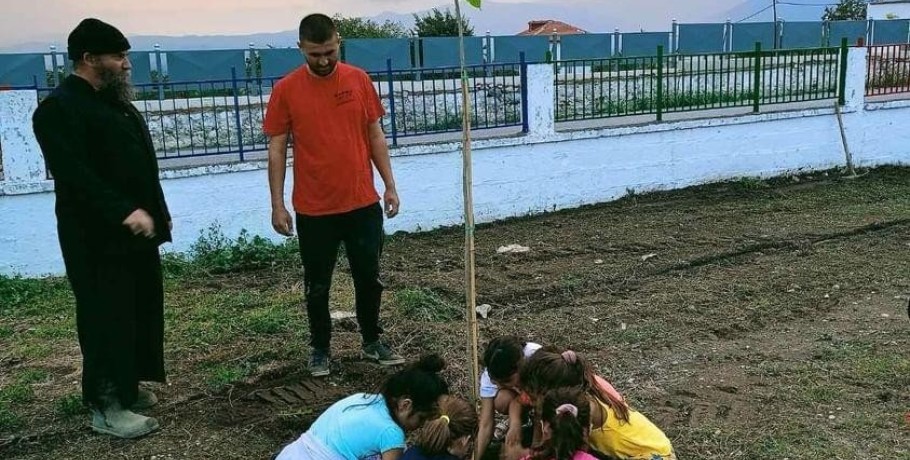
[
  {"x": 224, "y": 117},
  {"x": 888, "y": 70},
  {"x": 604, "y": 88}
]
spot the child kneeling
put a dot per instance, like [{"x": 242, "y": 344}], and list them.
[
  {"x": 448, "y": 437},
  {"x": 373, "y": 426}
]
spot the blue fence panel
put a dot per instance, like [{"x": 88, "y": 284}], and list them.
[
  {"x": 142, "y": 67},
  {"x": 280, "y": 62},
  {"x": 443, "y": 51},
  {"x": 701, "y": 38},
  {"x": 371, "y": 53},
  {"x": 22, "y": 69},
  {"x": 204, "y": 65},
  {"x": 644, "y": 43},
  {"x": 851, "y": 30},
  {"x": 509, "y": 49},
  {"x": 746, "y": 34},
  {"x": 890, "y": 32},
  {"x": 586, "y": 46},
  {"x": 803, "y": 34}
]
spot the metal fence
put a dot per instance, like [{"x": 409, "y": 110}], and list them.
[
  {"x": 659, "y": 84},
  {"x": 416, "y": 53},
  {"x": 888, "y": 70},
  {"x": 224, "y": 117}
]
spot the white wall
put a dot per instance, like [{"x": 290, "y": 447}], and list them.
[
  {"x": 543, "y": 171},
  {"x": 882, "y": 10}
]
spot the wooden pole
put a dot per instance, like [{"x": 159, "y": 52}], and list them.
[{"x": 467, "y": 179}]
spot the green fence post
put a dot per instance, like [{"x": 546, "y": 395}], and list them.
[
  {"x": 842, "y": 83},
  {"x": 660, "y": 83},
  {"x": 756, "y": 84}
]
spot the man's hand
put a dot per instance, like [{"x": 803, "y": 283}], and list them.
[
  {"x": 282, "y": 221},
  {"x": 391, "y": 203},
  {"x": 140, "y": 223}
]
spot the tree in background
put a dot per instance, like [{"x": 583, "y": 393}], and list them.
[
  {"x": 368, "y": 28},
  {"x": 846, "y": 10},
  {"x": 440, "y": 24}
]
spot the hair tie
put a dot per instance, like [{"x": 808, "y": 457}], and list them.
[
  {"x": 567, "y": 408},
  {"x": 445, "y": 418},
  {"x": 569, "y": 356}
]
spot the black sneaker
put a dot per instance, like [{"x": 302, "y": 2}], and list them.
[
  {"x": 381, "y": 353},
  {"x": 319, "y": 363}
]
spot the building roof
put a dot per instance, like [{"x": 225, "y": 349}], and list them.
[{"x": 549, "y": 26}]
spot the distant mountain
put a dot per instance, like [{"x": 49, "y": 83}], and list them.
[{"x": 498, "y": 18}]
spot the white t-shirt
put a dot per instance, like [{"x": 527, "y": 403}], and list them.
[{"x": 488, "y": 389}]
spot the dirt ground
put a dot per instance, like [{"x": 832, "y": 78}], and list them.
[{"x": 750, "y": 319}]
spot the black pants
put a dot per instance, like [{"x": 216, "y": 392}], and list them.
[
  {"x": 119, "y": 319},
  {"x": 320, "y": 236}
]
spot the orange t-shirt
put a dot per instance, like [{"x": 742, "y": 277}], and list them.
[{"x": 329, "y": 119}]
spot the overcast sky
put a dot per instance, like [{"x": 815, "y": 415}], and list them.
[{"x": 35, "y": 20}]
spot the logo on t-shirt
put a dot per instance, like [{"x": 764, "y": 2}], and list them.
[{"x": 343, "y": 97}]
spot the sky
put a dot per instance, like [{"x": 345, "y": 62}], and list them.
[{"x": 48, "y": 20}]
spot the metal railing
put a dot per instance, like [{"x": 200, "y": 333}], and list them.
[
  {"x": 888, "y": 70},
  {"x": 224, "y": 117},
  {"x": 659, "y": 84},
  {"x": 430, "y": 101}
]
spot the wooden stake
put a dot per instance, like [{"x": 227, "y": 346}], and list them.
[{"x": 468, "y": 180}]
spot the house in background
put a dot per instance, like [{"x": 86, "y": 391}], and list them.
[
  {"x": 888, "y": 9},
  {"x": 551, "y": 26}
]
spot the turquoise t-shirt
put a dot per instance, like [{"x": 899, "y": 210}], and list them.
[{"x": 358, "y": 427}]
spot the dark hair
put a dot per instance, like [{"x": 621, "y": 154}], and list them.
[
  {"x": 420, "y": 382},
  {"x": 317, "y": 28},
  {"x": 456, "y": 419},
  {"x": 502, "y": 356},
  {"x": 566, "y": 411},
  {"x": 549, "y": 368}
]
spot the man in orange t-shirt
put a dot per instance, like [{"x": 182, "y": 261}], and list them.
[{"x": 334, "y": 115}]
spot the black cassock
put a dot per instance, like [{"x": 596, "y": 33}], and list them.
[{"x": 103, "y": 163}]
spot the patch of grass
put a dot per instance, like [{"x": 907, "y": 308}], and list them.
[
  {"x": 25, "y": 297},
  {"x": 214, "y": 253},
  {"x": 268, "y": 321},
  {"x": 9, "y": 421},
  {"x": 70, "y": 405},
  {"x": 221, "y": 375},
  {"x": 752, "y": 183},
  {"x": 35, "y": 351},
  {"x": 822, "y": 394},
  {"x": 5, "y": 332},
  {"x": 891, "y": 371},
  {"x": 31, "y": 376},
  {"x": 424, "y": 305},
  {"x": 17, "y": 393}
]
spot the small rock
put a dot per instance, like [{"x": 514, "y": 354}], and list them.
[
  {"x": 622, "y": 326},
  {"x": 648, "y": 256},
  {"x": 885, "y": 315},
  {"x": 717, "y": 432},
  {"x": 598, "y": 262},
  {"x": 837, "y": 286},
  {"x": 483, "y": 310},
  {"x": 827, "y": 296},
  {"x": 832, "y": 417},
  {"x": 513, "y": 249}
]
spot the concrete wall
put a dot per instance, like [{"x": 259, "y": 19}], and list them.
[
  {"x": 542, "y": 171},
  {"x": 899, "y": 10}
]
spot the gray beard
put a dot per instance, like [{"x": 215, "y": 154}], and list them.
[{"x": 117, "y": 86}]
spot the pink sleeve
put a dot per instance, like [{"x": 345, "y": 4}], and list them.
[
  {"x": 583, "y": 456},
  {"x": 277, "y": 116}
]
